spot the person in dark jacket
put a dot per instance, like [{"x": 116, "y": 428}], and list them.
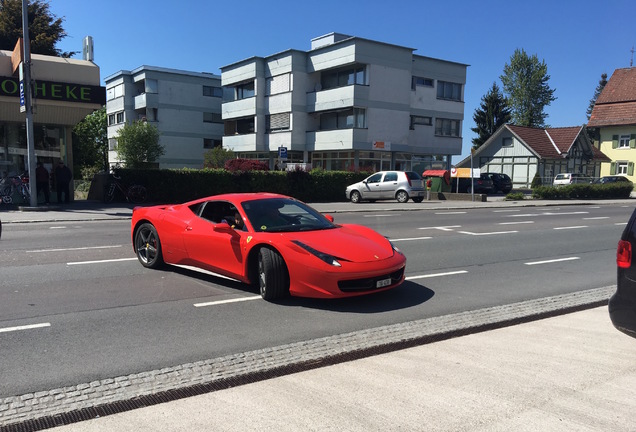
[
  {"x": 42, "y": 182},
  {"x": 63, "y": 177}
]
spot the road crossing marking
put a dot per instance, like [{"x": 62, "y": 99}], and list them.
[
  {"x": 487, "y": 233},
  {"x": 442, "y": 228},
  {"x": 451, "y": 213},
  {"x": 596, "y": 218},
  {"x": 220, "y": 302}
]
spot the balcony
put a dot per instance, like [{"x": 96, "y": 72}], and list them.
[
  {"x": 335, "y": 140},
  {"x": 147, "y": 100},
  {"x": 337, "y": 98},
  {"x": 239, "y": 108}
]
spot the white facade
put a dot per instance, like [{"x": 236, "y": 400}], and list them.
[
  {"x": 184, "y": 106},
  {"x": 348, "y": 103}
]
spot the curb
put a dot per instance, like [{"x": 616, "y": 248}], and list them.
[{"x": 57, "y": 407}]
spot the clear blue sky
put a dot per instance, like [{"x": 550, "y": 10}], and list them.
[{"x": 578, "y": 39}]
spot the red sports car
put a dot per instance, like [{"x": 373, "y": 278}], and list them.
[{"x": 277, "y": 242}]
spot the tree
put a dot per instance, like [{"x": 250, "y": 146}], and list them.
[
  {"x": 90, "y": 148},
  {"x": 493, "y": 113},
  {"x": 138, "y": 144},
  {"x": 597, "y": 93},
  {"x": 216, "y": 157},
  {"x": 45, "y": 29},
  {"x": 525, "y": 83}
]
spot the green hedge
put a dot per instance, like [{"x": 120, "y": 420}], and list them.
[
  {"x": 583, "y": 191},
  {"x": 175, "y": 186}
]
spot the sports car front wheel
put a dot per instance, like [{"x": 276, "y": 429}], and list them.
[
  {"x": 148, "y": 246},
  {"x": 273, "y": 278}
]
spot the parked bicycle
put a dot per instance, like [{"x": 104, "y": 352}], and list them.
[{"x": 135, "y": 194}]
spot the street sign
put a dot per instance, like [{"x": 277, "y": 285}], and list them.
[
  {"x": 282, "y": 153},
  {"x": 22, "y": 100}
]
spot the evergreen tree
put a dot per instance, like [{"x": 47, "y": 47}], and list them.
[
  {"x": 492, "y": 114},
  {"x": 525, "y": 83},
  {"x": 597, "y": 93},
  {"x": 45, "y": 29}
]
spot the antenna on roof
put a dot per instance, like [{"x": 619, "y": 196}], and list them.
[{"x": 631, "y": 60}]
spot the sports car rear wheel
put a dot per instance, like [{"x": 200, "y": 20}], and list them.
[
  {"x": 273, "y": 279},
  {"x": 148, "y": 246}
]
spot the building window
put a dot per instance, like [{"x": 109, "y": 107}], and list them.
[
  {"x": 277, "y": 122},
  {"x": 112, "y": 144},
  {"x": 209, "y": 143},
  {"x": 419, "y": 120},
  {"x": 212, "y": 91},
  {"x": 277, "y": 84},
  {"x": 120, "y": 117},
  {"x": 506, "y": 142},
  {"x": 421, "y": 82},
  {"x": 623, "y": 141},
  {"x": 240, "y": 126},
  {"x": 115, "y": 92},
  {"x": 209, "y": 117},
  {"x": 345, "y": 119},
  {"x": 244, "y": 91},
  {"x": 449, "y": 90},
  {"x": 111, "y": 119},
  {"x": 343, "y": 77},
  {"x": 447, "y": 127}
]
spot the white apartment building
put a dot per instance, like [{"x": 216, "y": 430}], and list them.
[
  {"x": 347, "y": 103},
  {"x": 184, "y": 106}
]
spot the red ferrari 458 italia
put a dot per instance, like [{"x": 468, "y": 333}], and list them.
[{"x": 273, "y": 241}]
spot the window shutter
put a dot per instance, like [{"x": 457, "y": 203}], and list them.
[
  {"x": 613, "y": 168},
  {"x": 614, "y": 141},
  {"x": 630, "y": 169},
  {"x": 632, "y": 141}
]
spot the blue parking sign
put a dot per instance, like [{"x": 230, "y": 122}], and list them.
[{"x": 282, "y": 153}]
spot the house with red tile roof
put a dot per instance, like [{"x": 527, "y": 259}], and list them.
[
  {"x": 521, "y": 152},
  {"x": 614, "y": 121}
]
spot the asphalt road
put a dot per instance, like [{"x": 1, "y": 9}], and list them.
[{"x": 96, "y": 313}]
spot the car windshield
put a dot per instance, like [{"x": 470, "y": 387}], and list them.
[{"x": 284, "y": 215}]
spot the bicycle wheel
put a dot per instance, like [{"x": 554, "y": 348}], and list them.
[
  {"x": 137, "y": 194},
  {"x": 109, "y": 194}
]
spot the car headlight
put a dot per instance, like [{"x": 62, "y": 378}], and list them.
[
  {"x": 395, "y": 248},
  {"x": 329, "y": 259}
]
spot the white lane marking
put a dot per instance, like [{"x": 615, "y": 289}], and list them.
[
  {"x": 548, "y": 214},
  {"x": 220, "y": 302},
  {"x": 571, "y": 227},
  {"x": 552, "y": 261},
  {"x": 516, "y": 222},
  {"x": 505, "y": 211},
  {"x": 25, "y": 327},
  {"x": 596, "y": 218},
  {"x": 57, "y": 227},
  {"x": 72, "y": 249},
  {"x": 621, "y": 223},
  {"x": 204, "y": 271},
  {"x": 451, "y": 213},
  {"x": 488, "y": 233},
  {"x": 595, "y": 207},
  {"x": 436, "y": 275},
  {"x": 380, "y": 215},
  {"x": 442, "y": 228},
  {"x": 410, "y": 239},
  {"x": 100, "y": 261}
]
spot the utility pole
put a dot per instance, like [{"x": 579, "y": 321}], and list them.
[{"x": 26, "y": 83}]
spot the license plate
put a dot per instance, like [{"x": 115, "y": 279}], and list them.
[{"x": 383, "y": 283}]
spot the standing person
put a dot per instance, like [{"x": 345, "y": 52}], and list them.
[
  {"x": 42, "y": 182},
  {"x": 63, "y": 177}
]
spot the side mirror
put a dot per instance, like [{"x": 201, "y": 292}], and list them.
[{"x": 223, "y": 227}]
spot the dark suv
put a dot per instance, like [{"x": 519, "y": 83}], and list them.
[
  {"x": 622, "y": 305},
  {"x": 500, "y": 182}
]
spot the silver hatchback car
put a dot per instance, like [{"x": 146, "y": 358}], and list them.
[{"x": 398, "y": 185}]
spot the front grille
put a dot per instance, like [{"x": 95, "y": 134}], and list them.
[{"x": 369, "y": 284}]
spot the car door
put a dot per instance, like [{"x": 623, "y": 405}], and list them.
[
  {"x": 373, "y": 185},
  {"x": 212, "y": 243},
  {"x": 389, "y": 185}
]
